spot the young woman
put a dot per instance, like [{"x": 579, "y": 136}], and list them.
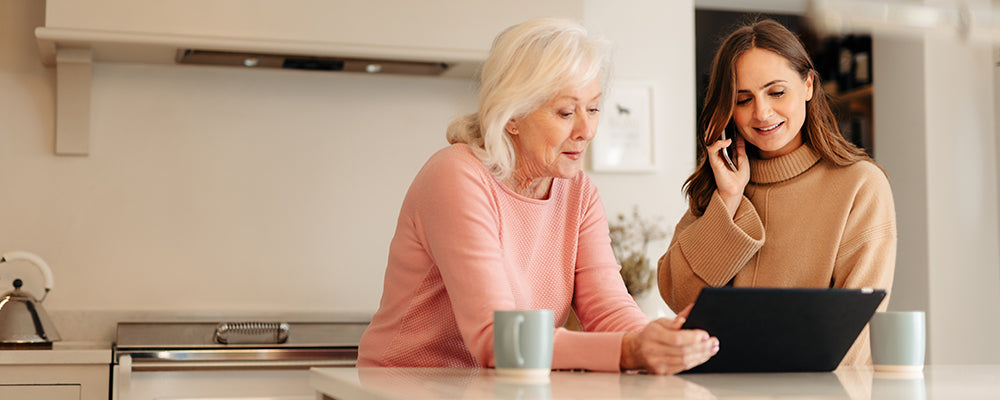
[{"x": 803, "y": 207}]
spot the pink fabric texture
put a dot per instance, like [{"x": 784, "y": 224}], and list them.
[{"x": 465, "y": 246}]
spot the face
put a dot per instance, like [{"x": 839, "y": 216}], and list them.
[
  {"x": 551, "y": 140},
  {"x": 770, "y": 102}
]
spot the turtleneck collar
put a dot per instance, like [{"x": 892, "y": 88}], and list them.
[{"x": 783, "y": 168}]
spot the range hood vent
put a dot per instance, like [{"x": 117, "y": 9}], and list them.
[{"x": 314, "y": 63}]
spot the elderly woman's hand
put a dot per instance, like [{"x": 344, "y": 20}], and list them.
[{"x": 663, "y": 348}]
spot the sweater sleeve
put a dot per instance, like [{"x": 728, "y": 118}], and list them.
[
  {"x": 458, "y": 217},
  {"x": 602, "y": 303},
  {"x": 708, "y": 251},
  {"x": 867, "y": 253},
  {"x": 866, "y": 256}
]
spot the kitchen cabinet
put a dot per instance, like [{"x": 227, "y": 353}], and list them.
[
  {"x": 40, "y": 392},
  {"x": 78, "y": 33},
  {"x": 396, "y": 28},
  {"x": 77, "y": 371},
  {"x": 55, "y": 381}
]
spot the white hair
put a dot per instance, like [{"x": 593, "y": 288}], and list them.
[{"x": 529, "y": 64}]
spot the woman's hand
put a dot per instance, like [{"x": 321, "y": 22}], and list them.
[
  {"x": 730, "y": 183},
  {"x": 663, "y": 348}
]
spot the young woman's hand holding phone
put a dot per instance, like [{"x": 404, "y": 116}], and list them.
[{"x": 730, "y": 183}]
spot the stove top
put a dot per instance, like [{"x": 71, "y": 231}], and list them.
[
  {"x": 165, "y": 342},
  {"x": 166, "y": 335}
]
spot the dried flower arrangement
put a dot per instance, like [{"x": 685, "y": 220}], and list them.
[{"x": 630, "y": 238}]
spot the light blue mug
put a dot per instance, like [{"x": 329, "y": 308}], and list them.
[
  {"x": 898, "y": 340},
  {"x": 522, "y": 342}
]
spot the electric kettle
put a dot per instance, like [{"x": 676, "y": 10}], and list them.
[{"x": 22, "y": 318}]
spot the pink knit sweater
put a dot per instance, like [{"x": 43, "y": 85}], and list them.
[{"x": 465, "y": 246}]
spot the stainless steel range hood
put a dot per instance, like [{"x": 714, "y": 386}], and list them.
[{"x": 312, "y": 63}]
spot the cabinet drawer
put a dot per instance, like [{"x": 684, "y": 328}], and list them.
[{"x": 40, "y": 392}]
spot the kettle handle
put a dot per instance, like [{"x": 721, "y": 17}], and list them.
[{"x": 34, "y": 259}]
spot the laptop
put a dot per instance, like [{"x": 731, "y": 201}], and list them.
[{"x": 781, "y": 330}]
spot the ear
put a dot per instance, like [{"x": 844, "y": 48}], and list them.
[
  {"x": 511, "y": 127},
  {"x": 809, "y": 87}
]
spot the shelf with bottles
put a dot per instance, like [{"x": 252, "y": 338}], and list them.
[
  {"x": 853, "y": 109},
  {"x": 845, "y": 65}
]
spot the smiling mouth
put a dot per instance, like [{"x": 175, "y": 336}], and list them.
[{"x": 768, "y": 129}]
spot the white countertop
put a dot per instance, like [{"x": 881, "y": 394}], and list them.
[
  {"x": 61, "y": 353},
  {"x": 936, "y": 382}
]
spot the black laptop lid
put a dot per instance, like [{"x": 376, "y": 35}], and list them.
[{"x": 781, "y": 330}]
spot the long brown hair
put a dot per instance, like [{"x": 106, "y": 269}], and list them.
[{"x": 820, "y": 126}]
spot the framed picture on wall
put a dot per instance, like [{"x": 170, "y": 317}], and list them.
[{"x": 624, "y": 140}]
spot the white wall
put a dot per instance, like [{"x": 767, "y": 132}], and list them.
[
  {"x": 935, "y": 135},
  {"x": 902, "y": 149},
  {"x": 962, "y": 202},
  {"x": 212, "y": 190},
  {"x": 655, "y": 43}
]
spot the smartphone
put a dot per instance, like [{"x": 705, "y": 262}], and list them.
[{"x": 729, "y": 153}]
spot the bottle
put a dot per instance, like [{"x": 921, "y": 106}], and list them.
[
  {"x": 862, "y": 60},
  {"x": 845, "y": 64}
]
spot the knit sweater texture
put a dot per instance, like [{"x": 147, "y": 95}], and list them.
[
  {"x": 465, "y": 245},
  {"x": 803, "y": 222}
]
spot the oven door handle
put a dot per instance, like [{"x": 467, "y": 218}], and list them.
[
  {"x": 123, "y": 380},
  {"x": 145, "y": 365}
]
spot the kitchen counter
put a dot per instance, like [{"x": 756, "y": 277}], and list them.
[
  {"x": 69, "y": 370},
  {"x": 935, "y": 382},
  {"x": 61, "y": 353}
]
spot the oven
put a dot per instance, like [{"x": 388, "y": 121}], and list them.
[{"x": 227, "y": 360}]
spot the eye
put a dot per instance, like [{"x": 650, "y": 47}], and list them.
[
  {"x": 594, "y": 110},
  {"x": 778, "y": 93},
  {"x": 741, "y": 102}
]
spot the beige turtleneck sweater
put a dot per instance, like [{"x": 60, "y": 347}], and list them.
[{"x": 803, "y": 222}]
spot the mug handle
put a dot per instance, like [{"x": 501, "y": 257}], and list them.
[{"x": 516, "y": 338}]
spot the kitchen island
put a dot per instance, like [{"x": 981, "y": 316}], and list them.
[{"x": 935, "y": 382}]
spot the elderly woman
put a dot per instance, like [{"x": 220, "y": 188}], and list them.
[{"x": 504, "y": 218}]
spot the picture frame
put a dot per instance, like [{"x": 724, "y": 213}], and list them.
[{"x": 624, "y": 141}]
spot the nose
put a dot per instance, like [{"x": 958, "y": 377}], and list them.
[
  {"x": 762, "y": 110},
  {"x": 585, "y": 127}
]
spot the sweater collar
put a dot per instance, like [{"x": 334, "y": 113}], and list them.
[{"x": 782, "y": 168}]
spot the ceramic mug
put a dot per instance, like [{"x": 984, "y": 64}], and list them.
[
  {"x": 898, "y": 340},
  {"x": 522, "y": 342}
]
